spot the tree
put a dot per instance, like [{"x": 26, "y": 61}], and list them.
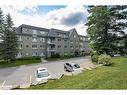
[
  {"x": 103, "y": 25},
  {"x": 98, "y": 29},
  {"x": 1, "y": 30},
  {"x": 119, "y": 24},
  {"x": 9, "y": 42}
]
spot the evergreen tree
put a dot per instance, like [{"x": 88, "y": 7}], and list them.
[
  {"x": 1, "y": 30},
  {"x": 119, "y": 14},
  {"x": 9, "y": 50},
  {"x": 104, "y": 23},
  {"x": 98, "y": 29}
]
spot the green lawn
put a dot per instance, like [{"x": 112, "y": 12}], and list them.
[
  {"x": 104, "y": 77},
  {"x": 19, "y": 62}
]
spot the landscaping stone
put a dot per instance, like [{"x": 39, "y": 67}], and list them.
[
  {"x": 68, "y": 73},
  {"x": 76, "y": 72},
  {"x": 8, "y": 87},
  {"x": 58, "y": 76},
  {"x": 25, "y": 85},
  {"x": 43, "y": 81},
  {"x": 88, "y": 68},
  {"x": 72, "y": 73}
]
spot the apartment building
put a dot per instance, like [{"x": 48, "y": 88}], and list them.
[{"x": 36, "y": 41}]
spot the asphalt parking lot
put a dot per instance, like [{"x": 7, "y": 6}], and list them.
[{"x": 25, "y": 74}]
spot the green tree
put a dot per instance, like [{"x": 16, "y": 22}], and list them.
[
  {"x": 104, "y": 23},
  {"x": 1, "y": 30},
  {"x": 119, "y": 24},
  {"x": 9, "y": 42},
  {"x": 98, "y": 29}
]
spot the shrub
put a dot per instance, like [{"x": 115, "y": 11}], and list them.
[
  {"x": 29, "y": 58},
  {"x": 57, "y": 55},
  {"x": 94, "y": 58},
  {"x": 104, "y": 59}
]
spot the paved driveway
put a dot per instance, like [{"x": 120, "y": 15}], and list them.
[{"x": 25, "y": 74}]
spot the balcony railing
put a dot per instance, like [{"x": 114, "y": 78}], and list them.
[
  {"x": 51, "y": 42},
  {"x": 51, "y": 49}
]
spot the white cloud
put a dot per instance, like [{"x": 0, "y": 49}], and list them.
[{"x": 64, "y": 18}]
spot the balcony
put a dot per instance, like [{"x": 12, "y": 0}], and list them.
[
  {"x": 51, "y": 42},
  {"x": 51, "y": 49}
]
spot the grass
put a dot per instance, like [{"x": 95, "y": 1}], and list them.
[
  {"x": 104, "y": 77},
  {"x": 21, "y": 61}
]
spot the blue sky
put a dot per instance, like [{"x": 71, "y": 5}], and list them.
[
  {"x": 49, "y": 16},
  {"x": 42, "y": 9}
]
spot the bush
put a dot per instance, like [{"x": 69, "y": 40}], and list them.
[
  {"x": 29, "y": 58},
  {"x": 57, "y": 55},
  {"x": 94, "y": 58},
  {"x": 104, "y": 59}
]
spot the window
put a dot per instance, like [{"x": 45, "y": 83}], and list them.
[
  {"x": 42, "y": 54},
  {"x": 74, "y": 36},
  {"x": 64, "y": 35},
  {"x": 34, "y": 46},
  {"x": 71, "y": 47},
  {"x": 42, "y": 39},
  {"x": 20, "y": 46},
  {"x": 34, "y": 39},
  {"x": 58, "y": 34},
  {"x": 27, "y": 38},
  {"x": 34, "y": 32},
  {"x": 19, "y": 55},
  {"x": 27, "y": 46},
  {"x": 84, "y": 39},
  {"x": 42, "y": 74},
  {"x": 76, "y": 66},
  {"x": 34, "y": 54},
  {"x": 42, "y": 32},
  {"x": 59, "y": 39},
  {"x": 24, "y": 29},
  {"x": 65, "y": 40},
  {"x": 42, "y": 46},
  {"x": 27, "y": 54},
  {"x": 59, "y": 46},
  {"x": 65, "y": 46},
  {"x": 71, "y": 41},
  {"x": 20, "y": 38}
]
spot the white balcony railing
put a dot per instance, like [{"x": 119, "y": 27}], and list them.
[{"x": 51, "y": 49}]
